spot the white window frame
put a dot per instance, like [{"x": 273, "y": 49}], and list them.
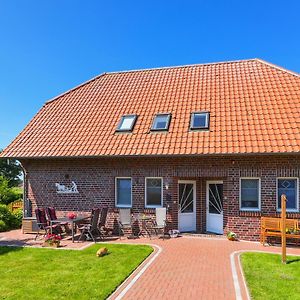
[
  {"x": 192, "y": 127},
  {"x": 116, "y": 193},
  {"x": 297, "y": 194},
  {"x": 259, "y": 194},
  {"x": 162, "y": 192}
]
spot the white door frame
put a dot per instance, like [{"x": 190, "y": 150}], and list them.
[
  {"x": 194, "y": 204},
  {"x": 207, "y": 203}
]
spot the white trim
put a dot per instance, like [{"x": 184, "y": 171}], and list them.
[
  {"x": 122, "y": 205},
  {"x": 297, "y": 194},
  {"x": 259, "y": 194},
  {"x": 194, "y": 182},
  {"x": 161, "y": 196}
]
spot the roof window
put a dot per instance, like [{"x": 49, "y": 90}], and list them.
[
  {"x": 127, "y": 123},
  {"x": 161, "y": 122},
  {"x": 200, "y": 120}
]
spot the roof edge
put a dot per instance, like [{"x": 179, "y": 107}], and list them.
[
  {"x": 153, "y": 155},
  {"x": 184, "y": 66},
  {"x": 74, "y": 88},
  {"x": 277, "y": 67}
]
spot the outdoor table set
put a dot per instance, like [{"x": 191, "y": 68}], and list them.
[{"x": 72, "y": 221}]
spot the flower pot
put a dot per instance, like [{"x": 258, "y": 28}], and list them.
[
  {"x": 52, "y": 245},
  {"x": 231, "y": 238}
]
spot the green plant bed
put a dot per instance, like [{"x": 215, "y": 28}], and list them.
[
  {"x": 31, "y": 273},
  {"x": 268, "y": 278}
]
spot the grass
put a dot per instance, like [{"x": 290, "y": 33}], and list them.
[
  {"x": 31, "y": 273},
  {"x": 268, "y": 278}
]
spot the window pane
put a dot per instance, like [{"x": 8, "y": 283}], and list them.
[
  {"x": 126, "y": 122},
  {"x": 186, "y": 197},
  {"x": 289, "y": 188},
  {"x": 153, "y": 192},
  {"x": 124, "y": 191},
  {"x": 250, "y": 193},
  {"x": 161, "y": 122},
  {"x": 199, "y": 120}
]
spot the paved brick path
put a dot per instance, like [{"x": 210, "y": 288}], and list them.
[{"x": 192, "y": 268}]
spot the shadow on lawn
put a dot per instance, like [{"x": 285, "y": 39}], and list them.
[
  {"x": 293, "y": 261},
  {"x": 7, "y": 249}
]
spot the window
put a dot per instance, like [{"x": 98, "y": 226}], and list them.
[
  {"x": 250, "y": 194},
  {"x": 289, "y": 187},
  {"x": 123, "y": 192},
  {"x": 127, "y": 123},
  {"x": 200, "y": 120},
  {"x": 154, "y": 192},
  {"x": 161, "y": 122}
]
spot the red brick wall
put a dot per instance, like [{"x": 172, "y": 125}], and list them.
[{"x": 95, "y": 179}]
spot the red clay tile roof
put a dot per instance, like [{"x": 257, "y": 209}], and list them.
[{"x": 254, "y": 108}]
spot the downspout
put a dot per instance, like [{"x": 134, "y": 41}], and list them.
[{"x": 25, "y": 189}]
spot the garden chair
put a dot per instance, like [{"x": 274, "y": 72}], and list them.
[
  {"x": 51, "y": 214},
  {"x": 43, "y": 224},
  {"x": 91, "y": 230},
  {"x": 102, "y": 223},
  {"x": 160, "y": 223},
  {"x": 124, "y": 220}
]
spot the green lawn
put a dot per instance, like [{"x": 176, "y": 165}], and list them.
[
  {"x": 268, "y": 278},
  {"x": 31, "y": 273}
]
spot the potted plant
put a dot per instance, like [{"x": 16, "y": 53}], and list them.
[
  {"x": 52, "y": 240},
  {"x": 231, "y": 236}
]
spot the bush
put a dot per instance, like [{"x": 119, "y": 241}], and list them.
[
  {"x": 3, "y": 226},
  {"x": 18, "y": 214},
  {"x": 9, "y": 220},
  {"x": 8, "y": 194}
]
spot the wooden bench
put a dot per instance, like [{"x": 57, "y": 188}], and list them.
[{"x": 272, "y": 227}]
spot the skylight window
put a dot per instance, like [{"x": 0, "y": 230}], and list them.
[
  {"x": 200, "y": 120},
  {"x": 127, "y": 123},
  {"x": 161, "y": 122}
]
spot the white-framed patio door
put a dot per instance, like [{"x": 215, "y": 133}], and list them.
[
  {"x": 186, "y": 205},
  {"x": 214, "y": 206}
]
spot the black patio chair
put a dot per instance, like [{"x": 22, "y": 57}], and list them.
[
  {"x": 43, "y": 224},
  {"x": 91, "y": 230}
]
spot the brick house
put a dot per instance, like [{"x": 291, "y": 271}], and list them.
[{"x": 217, "y": 144}]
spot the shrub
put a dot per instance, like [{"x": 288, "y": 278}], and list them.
[
  {"x": 9, "y": 220},
  {"x": 18, "y": 214},
  {"x": 8, "y": 194},
  {"x": 3, "y": 226}
]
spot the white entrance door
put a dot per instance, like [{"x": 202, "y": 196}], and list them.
[
  {"x": 214, "y": 207},
  {"x": 186, "y": 205}
]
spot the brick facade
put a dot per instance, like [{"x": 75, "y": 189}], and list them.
[{"x": 95, "y": 179}]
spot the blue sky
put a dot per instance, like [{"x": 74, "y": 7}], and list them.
[{"x": 48, "y": 47}]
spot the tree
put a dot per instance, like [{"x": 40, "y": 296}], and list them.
[{"x": 11, "y": 170}]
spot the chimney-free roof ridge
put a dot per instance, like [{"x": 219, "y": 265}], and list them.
[
  {"x": 172, "y": 67},
  {"x": 143, "y": 70},
  {"x": 183, "y": 66}
]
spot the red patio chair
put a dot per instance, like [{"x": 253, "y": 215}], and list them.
[
  {"x": 43, "y": 224},
  {"x": 51, "y": 214}
]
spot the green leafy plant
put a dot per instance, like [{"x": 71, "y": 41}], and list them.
[
  {"x": 9, "y": 220},
  {"x": 231, "y": 236}
]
